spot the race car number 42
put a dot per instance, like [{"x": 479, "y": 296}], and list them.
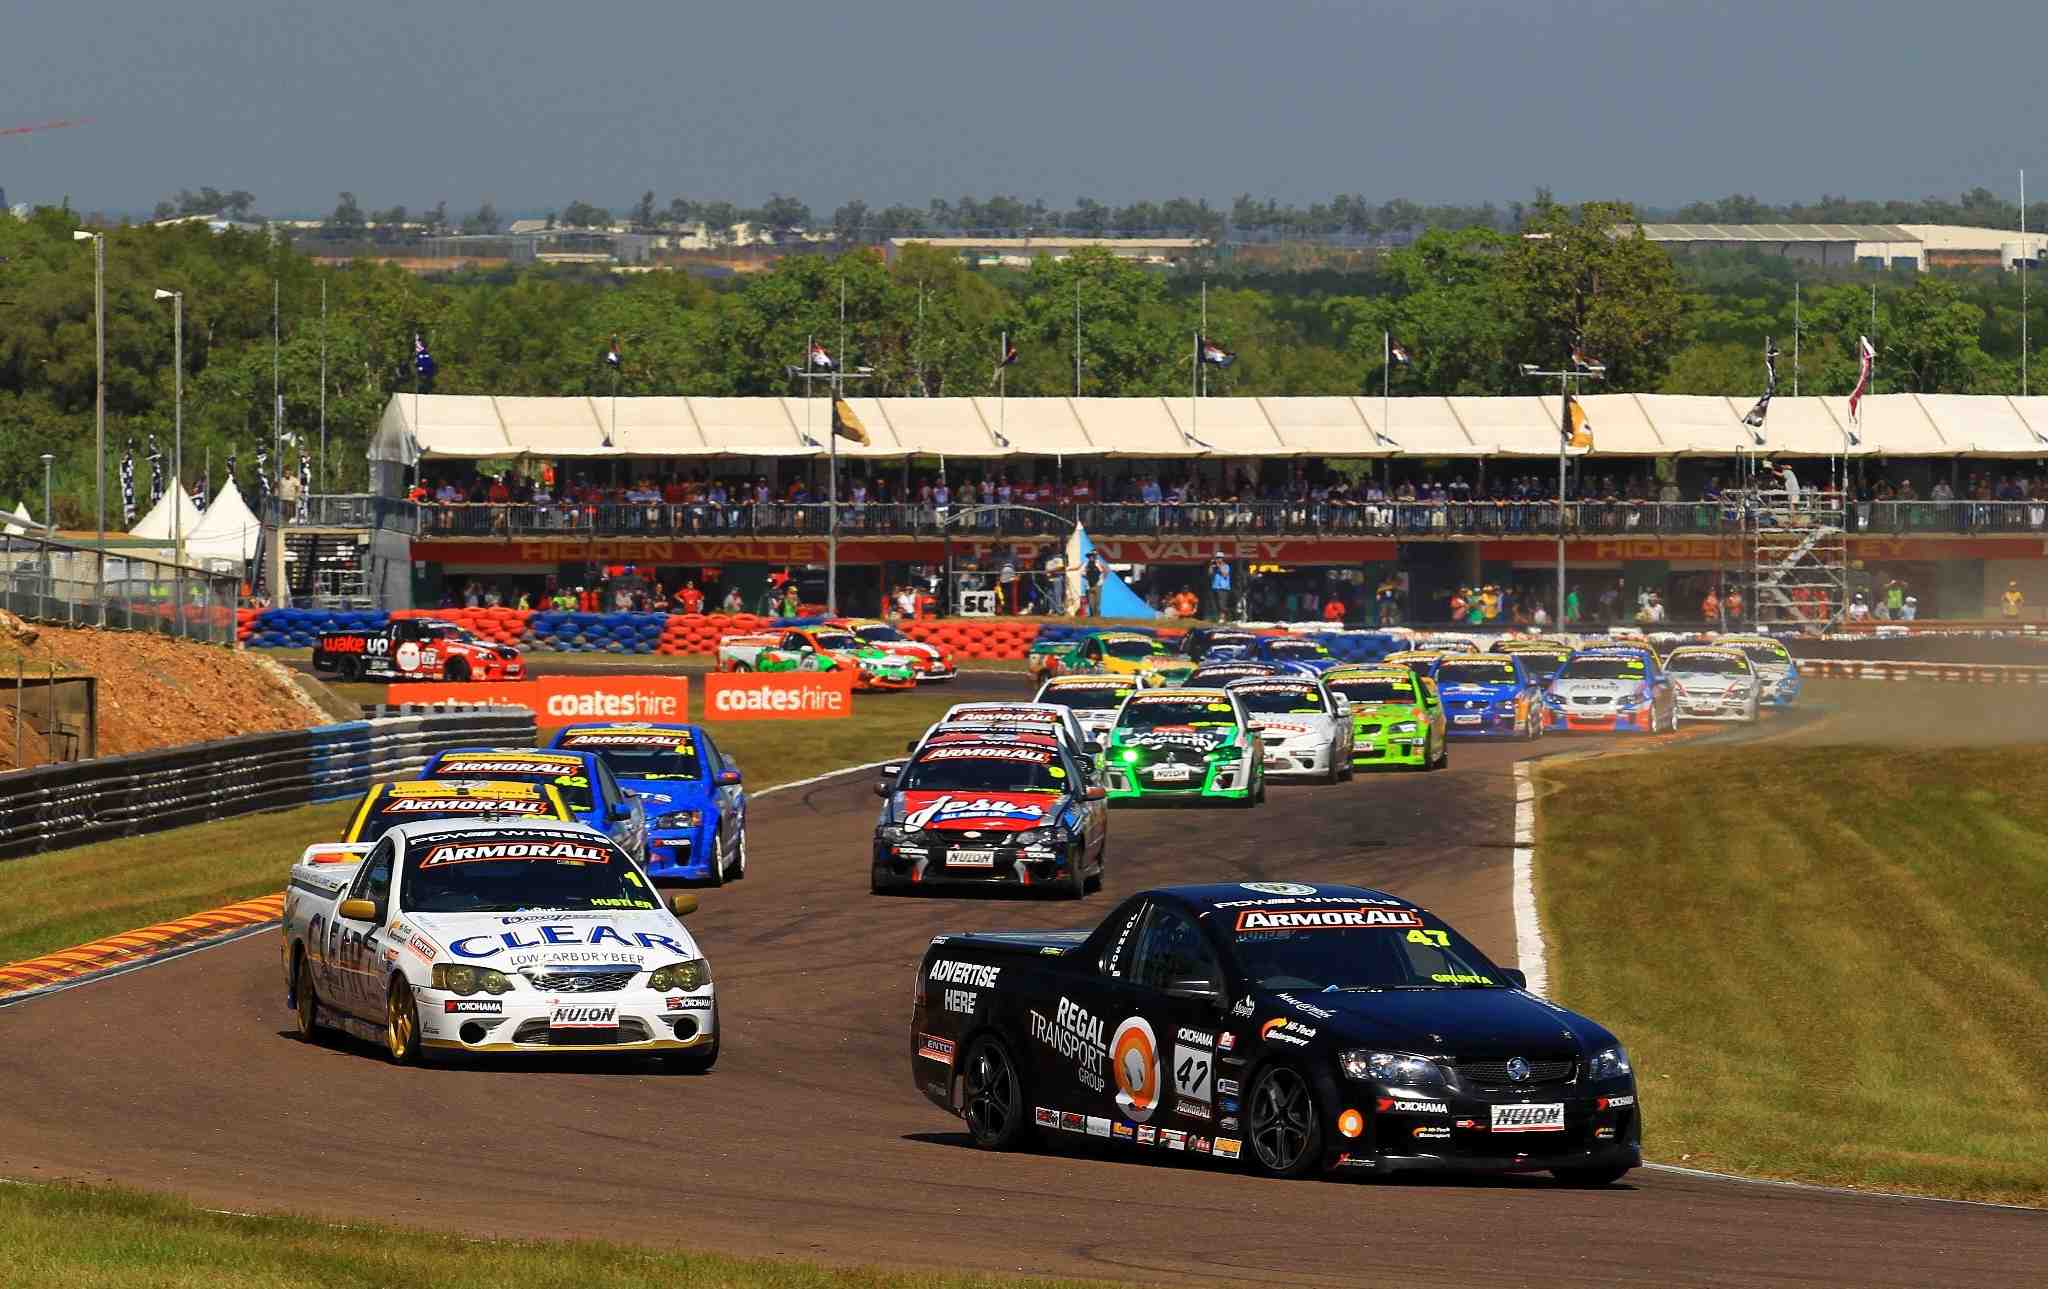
[
  {"x": 584, "y": 1018},
  {"x": 1528, "y": 1118}
]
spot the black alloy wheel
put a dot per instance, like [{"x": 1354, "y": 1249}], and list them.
[
  {"x": 1281, "y": 1124},
  {"x": 994, "y": 1096},
  {"x": 455, "y": 671},
  {"x": 1077, "y": 869}
]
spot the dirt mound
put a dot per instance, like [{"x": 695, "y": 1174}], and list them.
[{"x": 154, "y": 691}]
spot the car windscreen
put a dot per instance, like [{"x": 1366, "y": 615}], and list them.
[
  {"x": 390, "y": 811},
  {"x": 1459, "y": 671},
  {"x": 1331, "y": 947},
  {"x": 1131, "y": 649},
  {"x": 879, "y": 632},
  {"x": 1602, "y": 669},
  {"x": 1375, "y": 689},
  {"x": 1710, "y": 664},
  {"x": 562, "y": 772},
  {"x": 1274, "y": 700},
  {"x": 835, "y": 640},
  {"x": 1295, "y": 649},
  {"x": 648, "y": 754},
  {"x": 1086, "y": 698},
  {"x": 505, "y": 871},
  {"x": 1767, "y": 653},
  {"x": 1154, "y": 712},
  {"x": 999, "y": 768}
]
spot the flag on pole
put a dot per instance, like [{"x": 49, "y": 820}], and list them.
[
  {"x": 846, "y": 425},
  {"x": 821, "y": 360},
  {"x": 1577, "y": 429},
  {"x": 199, "y": 495},
  {"x": 262, "y": 481},
  {"x": 305, "y": 484},
  {"x": 1009, "y": 357},
  {"x": 1216, "y": 355},
  {"x": 231, "y": 468},
  {"x": 1397, "y": 353},
  {"x": 611, "y": 356},
  {"x": 156, "y": 471},
  {"x": 1868, "y": 356},
  {"x": 128, "y": 486},
  {"x": 1585, "y": 362},
  {"x": 422, "y": 361},
  {"x": 1755, "y": 419}
]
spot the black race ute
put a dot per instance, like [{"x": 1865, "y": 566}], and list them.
[{"x": 1293, "y": 1028}]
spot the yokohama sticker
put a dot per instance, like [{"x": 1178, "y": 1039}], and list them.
[{"x": 1324, "y": 919}]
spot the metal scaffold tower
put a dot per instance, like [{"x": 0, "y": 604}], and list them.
[{"x": 1798, "y": 557}]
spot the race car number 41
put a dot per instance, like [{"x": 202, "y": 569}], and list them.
[{"x": 1528, "y": 1118}]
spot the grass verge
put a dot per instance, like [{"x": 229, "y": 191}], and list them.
[
  {"x": 1828, "y": 959},
  {"x": 100, "y": 1236},
  {"x": 65, "y": 897}
]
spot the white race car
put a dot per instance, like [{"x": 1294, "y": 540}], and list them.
[
  {"x": 1303, "y": 728},
  {"x": 1092, "y": 697},
  {"x": 1714, "y": 684},
  {"x": 497, "y": 935}
]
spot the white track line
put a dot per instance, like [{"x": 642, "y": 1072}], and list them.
[
  {"x": 816, "y": 778},
  {"x": 1817, "y": 1188},
  {"x": 1529, "y": 953}
]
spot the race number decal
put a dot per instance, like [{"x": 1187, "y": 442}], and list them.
[{"x": 1194, "y": 1073}]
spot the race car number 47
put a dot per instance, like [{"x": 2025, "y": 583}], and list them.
[
  {"x": 584, "y": 1018},
  {"x": 1528, "y": 1118}
]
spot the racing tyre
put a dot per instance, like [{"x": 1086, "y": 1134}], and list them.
[
  {"x": 740, "y": 667},
  {"x": 697, "y": 1060},
  {"x": 306, "y": 1000},
  {"x": 1077, "y": 871},
  {"x": 351, "y": 668},
  {"x": 714, "y": 872},
  {"x": 456, "y": 671},
  {"x": 1601, "y": 1175},
  {"x": 1282, "y": 1126},
  {"x": 740, "y": 866},
  {"x": 401, "y": 1024},
  {"x": 993, "y": 1096}
]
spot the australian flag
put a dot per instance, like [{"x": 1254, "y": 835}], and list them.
[
  {"x": 1397, "y": 353},
  {"x": 422, "y": 361},
  {"x": 1214, "y": 354},
  {"x": 1585, "y": 362},
  {"x": 1009, "y": 356},
  {"x": 820, "y": 360}
]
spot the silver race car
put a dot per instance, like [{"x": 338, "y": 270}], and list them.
[
  {"x": 1303, "y": 728},
  {"x": 1714, "y": 684}
]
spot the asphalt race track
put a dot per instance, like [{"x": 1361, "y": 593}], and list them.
[{"x": 810, "y": 1141}]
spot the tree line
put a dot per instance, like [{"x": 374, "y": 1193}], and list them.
[{"x": 1468, "y": 306}]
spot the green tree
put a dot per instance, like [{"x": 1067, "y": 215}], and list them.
[{"x": 1590, "y": 277}]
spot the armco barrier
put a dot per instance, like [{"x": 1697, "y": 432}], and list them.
[
  {"x": 80, "y": 802},
  {"x": 1963, "y": 673}
]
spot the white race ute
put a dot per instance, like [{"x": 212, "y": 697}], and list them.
[{"x": 496, "y": 935}]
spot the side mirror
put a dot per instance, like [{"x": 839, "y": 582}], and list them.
[
  {"x": 682, "y": 904},
  {"x": 1197, "y": 987},
  {"x": 358, "y": 910},
  {"x": 620, "y": 813},
  {"x": 1516, "y": 977},
  {"x": 728, "y": 778},
  {"x": 1094, "y": 792},
  {"x": 910, "y": 745}
]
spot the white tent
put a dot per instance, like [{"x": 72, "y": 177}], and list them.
[
  {"x": 19, "y": 522},
  {"x": 228, "y": 529},
  {"x": 156, "y": 525}
]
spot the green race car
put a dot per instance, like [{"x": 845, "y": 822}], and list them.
[
  {"x": 1184, "y": 745},
  {"x": 1396, "y": 716},
  {"x": 1115, "y": 653}
]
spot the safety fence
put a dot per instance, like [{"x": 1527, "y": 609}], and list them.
[
  {"x": 58, "y": 583},
  {"x": 80, "y": 802},
  {"x": 1963, "y": 673}
]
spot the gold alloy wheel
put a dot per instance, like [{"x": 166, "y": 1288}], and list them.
[
  {"x": 308, "y": 1001},
  {"x": 401, "y": 1023}
]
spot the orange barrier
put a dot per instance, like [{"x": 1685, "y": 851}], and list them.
[
  {"x": 561, "y": 700},
  {"x": 778, "y": 696}
]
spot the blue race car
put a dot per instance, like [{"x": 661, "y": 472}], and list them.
[
  {"x": 1774, "y": 665},
  {"x": 696, "y": 809},
  {"x": 1489, "y": 696},
  {"x": 1611, "y": 688},
  {"x": 1296, "y": 653},
  {"x": 587, "y": 785}
]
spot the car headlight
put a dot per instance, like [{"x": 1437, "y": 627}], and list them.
[
  {"x": 1629, "y": 701},
  {"x": 1033, "y": 836},
  {"x": 894, "y": 832},
  {"x": 1407, "y": 727},
  {"x": 1129, "y": 756},
  {"x": 679, "y": 819},
  {"x": 1610, "y": 1064},
  {"x": 459, "y": 978},
  {"x": 1391, "y": 1067},
  {"x": 694, "y": 974},
  {"x": 1553, "y": 700}
]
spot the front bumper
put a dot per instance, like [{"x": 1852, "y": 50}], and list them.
[
  {"x": 1230, "y": 781},
  {"x": 1461, "y": 1138},
  {"x": 681, "y": 854},
  {"x": 1781, "y": 693},
  {"x": 1480, "y": 722},
  {"x": 930, "y": 861},
  {"x": 1390, "y": 749},
  {"x": 1695, "y": 707},
  {"x": 865, "y": 681},
  {"x": 1298, "y": 758},
  {"x": 645, "y": 1021},
  {"x": 1609, "y": 720}
]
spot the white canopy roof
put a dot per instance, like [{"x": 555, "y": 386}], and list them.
[
  {"x": 228, "y": 529},
  {"x": 19, "y": 522},
  {"x": 455, "y": 426},
  {"x": 157, "y": 524}
]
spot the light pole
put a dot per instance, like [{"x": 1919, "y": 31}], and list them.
[
  {"x": 177, "y": 299},
  {"x": 49, "y": 516},
  {"x": 99, "y": 473},
  {"x": 1576, "y": 367}
]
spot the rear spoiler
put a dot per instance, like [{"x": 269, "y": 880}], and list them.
[{"x": 335, "y": 852}]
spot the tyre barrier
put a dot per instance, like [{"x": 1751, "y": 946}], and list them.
[{"x": 79, "y": 802}]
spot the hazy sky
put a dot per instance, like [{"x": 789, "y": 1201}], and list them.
[{"x": 534, "y": 105}]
